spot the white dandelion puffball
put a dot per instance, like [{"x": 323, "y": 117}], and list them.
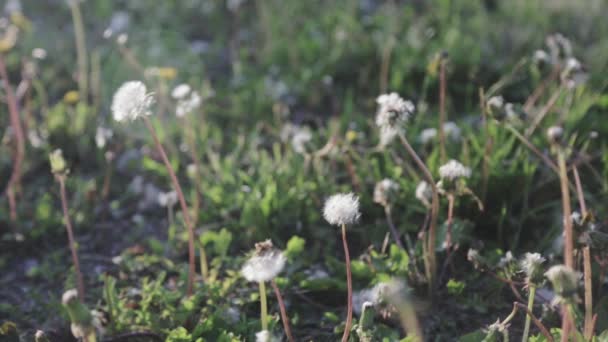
[
  {"x": 564, "y": 280},
  {"x": 341, "y": 209},
  {"x": 265, "y": 264},
  {"x": 385, "y": 191},
  {"x": 188, "y": 104},
  {"x": 393, "y": 111},
  {"x": 424, "y": 192},
  {"x": 531, "y": 264},
  {"x": 265, "y": 336},
  {"x": 131, "y": 101},
  {"x": 555, "y": 133},
  {"x": 453, "y": 170},
  {"x": 180, "y": 91},
  {"x": 427, "y": 135}
]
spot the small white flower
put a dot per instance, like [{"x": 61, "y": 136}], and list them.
[
  {"x": 555, "y": 133},
  {"x": 180, "y": 91},
  {"x": 265, "y": 264},
  {"x": 424, "y": 193},
  {"x": 342, "y": 209},
  {"x": 451, "y": 130},
  {"x": 102, "y": 135},
  {"x": 131, "y": 101},
  {"x": 427, "y": 135},
  {"x": 167, "y": 199},
  {"x": 265, "y": 336},
  {"x": 385, "y": 191},
  {"x": 453, "y": 170},
  {"x": 393, "y": 111}
]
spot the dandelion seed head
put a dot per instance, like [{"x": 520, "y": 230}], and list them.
[
  {"x": 180, "y": 91},
  {"x": 131, "y": 101},
  {"x": 342, "y": 209},
  {"x": 555, "y": 133},
  {"x": 565, "y": 282},
  {"x": 453, "y": 170},
  {"x": 393, "y": 111},
  {"x": 424, "y": 193},
  {"x": 385, "y": 191},
  {"x": 265, "y": 264},
  {"x": 452, "y": 130},
  {"x": 427, "y": 135},
  {"x": 387, "y": 135},
  {"x": 167, "y": 199},
  {"x": 532, "y": 264}
]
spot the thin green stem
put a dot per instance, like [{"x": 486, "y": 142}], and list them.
[
  {"x": 204, "y": 264},
  {"x": 567, "y": 211},
  {"x": 528, "y": 317},
  {"x": 430, "y": 258},
  {"x": 263, "y": 306},
  {"x": 81, "y": 50}
]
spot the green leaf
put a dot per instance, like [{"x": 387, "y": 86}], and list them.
[{"x": 295, "y": 246}]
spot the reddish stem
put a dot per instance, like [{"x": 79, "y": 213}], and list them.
[
  {"x": 349, "y": 284},
  {"x": 182, "y": 202},
  {"x": 284, "y": 316},
  {"x": 72, "y": 242},
  {"x": 13, "y": 109}
]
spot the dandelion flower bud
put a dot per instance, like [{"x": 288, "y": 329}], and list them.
[
  {"x": 532, "y": 265},
  {"x": 555, "y": 134},
  {"x": 424, "y": 193},
  {"x": 266, "y": 263},
  {"x": 454, "y": 170},
  {"x": 393, "y": 111},
  {"x": 385, "y": 192},
  {"x": 564, "y": 281},
  {"x": 58, "y": 164},
  {"x": 342, "y": 209},
  {"x": 131, "y": 101}
]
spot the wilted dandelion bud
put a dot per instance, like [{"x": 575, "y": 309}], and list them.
[
  {"x": 424, "y": 193},
  {"x": 454, "y": 170},
  {"x": 507, "y": 260},
  {"x": 58, "y": 164},
  {"x": 131, "y": 101},
  {"x": 495, "y": 331},
  {"x": 265, "y": 264},
  {"x": 532, "y": 265},
  {"x": 564, "y": 281},
  {"x": 555, "y": 134},
  {"x": 385, "y": 192},
  {"x": 474, "y": 258},
  {"x": 81, "y": 318},
  {"x": 342, "y": 209},
  {"x": 427, "y": 135},
  {"x": 574, "y": 73},
  {"x": 576, "y": 218}
]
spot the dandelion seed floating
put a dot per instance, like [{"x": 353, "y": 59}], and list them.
[{"x": 342, "y": 210}]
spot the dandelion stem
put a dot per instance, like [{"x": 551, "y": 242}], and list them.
[
  {"x": 349, "y": 284},
  {"x": 263, "y": 306},
  {"x": 72, "y": 242},
  {"x": 533, "y": 148},
  {"x": 442, "y": 113},
  {"x": 448, "y": 236},
  {"x": 430, "y": 264},
  {"x": 182, "y": 202},
  {"x": 13, "y": 109},
  {"x": 284, "y": 316},
  {"x": 81, "y": 50},
  {"x": 391, "y": 226},
  {"x": 567, "y": 211},
  {"x": 588, "y": 276},
  {"x": 528, "y": 317}
]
